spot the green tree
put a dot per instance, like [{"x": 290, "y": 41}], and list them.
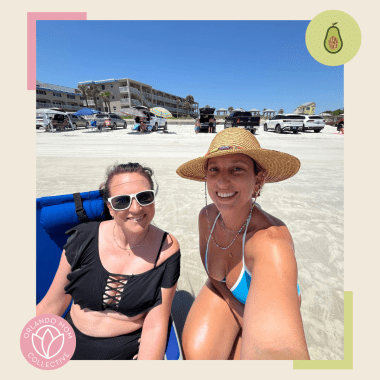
[
  {"x": 106, "y": 96},
  {"x": 230, "y": 109},
  {"x": 186, "y": 105},
  {"x": 178, "y": 100},
  {"x": 94, "y": 93},
  {"x": 190, "y": 100},
  {"x": 83, "y": 90}
]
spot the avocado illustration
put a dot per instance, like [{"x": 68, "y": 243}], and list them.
[{"x": 333, "y": 41}]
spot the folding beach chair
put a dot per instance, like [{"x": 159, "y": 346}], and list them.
[{"x": 57, "y": 214}]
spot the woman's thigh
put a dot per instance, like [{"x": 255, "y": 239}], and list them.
[{"x": 210, "y": 330}]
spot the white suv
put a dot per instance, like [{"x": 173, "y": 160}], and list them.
[
  {"x": 286, "y": 122},
  {"x": 312, "y": 122}
]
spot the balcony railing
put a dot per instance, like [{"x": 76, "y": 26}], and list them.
[
  {"x": 52, "y": 105},
  {"x": 124, "y": 101}
]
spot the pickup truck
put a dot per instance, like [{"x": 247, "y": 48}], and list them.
[{"x": 242, "y": 119}]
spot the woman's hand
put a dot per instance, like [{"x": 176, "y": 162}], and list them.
[{"x": 272, "y": 327}]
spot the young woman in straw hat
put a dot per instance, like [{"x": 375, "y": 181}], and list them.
[{"x": 249, "y": 307}]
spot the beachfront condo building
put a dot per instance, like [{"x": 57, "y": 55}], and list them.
[
  {"x": 128, "y": 93},
  {"x": 54, "y": 96}
]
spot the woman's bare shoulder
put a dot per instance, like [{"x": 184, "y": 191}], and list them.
[
  {"x": 272, "y": 239},
  {"x": 170, "y": 246}
]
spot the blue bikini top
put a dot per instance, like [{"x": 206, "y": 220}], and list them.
[{"x": 240, "y": 289}]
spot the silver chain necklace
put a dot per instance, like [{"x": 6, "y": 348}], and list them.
[
  {"x": 241, "y": 228},
  {"x": 130, "y": 248}
]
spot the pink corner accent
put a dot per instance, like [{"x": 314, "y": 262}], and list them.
[{"x": 32, "y": 17}]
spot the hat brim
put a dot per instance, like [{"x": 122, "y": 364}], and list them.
[{"x": 278, "y": 165}]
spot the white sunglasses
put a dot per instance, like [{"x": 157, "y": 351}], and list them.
[{"x": 124, "y": 201}]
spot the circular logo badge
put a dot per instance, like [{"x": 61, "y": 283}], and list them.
[
  {"x": 333, "y": 38},
  {"x": 47, "y": 342}
]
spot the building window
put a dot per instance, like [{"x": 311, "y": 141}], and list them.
[
  {"x": 40, "y": 92},
  {"x": 57, "y": 94},
  {"x": 113, "y": 97},
  {"x": 114, "y": 108},
  {"x": 103, "y": 87},
  {"x": 111, "y": 85},
  {"x": 71, "y": 96}
]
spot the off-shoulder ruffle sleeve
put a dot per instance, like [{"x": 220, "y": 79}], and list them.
[
  {"x": 172, "y": 271},
  {"x": 79, "y": 238}
]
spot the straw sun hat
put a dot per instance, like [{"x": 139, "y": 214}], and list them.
[{"x": 279, "y": 166}]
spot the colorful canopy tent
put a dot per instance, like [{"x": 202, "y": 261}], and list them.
[{"x": 85, "y": 111}]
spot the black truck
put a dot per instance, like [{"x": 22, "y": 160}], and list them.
[{"x": 242, "y": 119}]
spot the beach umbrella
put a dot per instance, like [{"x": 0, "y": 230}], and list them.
[
  {"x": 133, "y": 112},
  {"x": 86, "y": 111},
  {"x": 162, "y": 112}
]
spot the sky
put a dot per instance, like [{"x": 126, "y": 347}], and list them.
[{"x": 239, "y": 64}]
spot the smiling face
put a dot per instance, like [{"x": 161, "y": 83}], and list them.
[
  {"x": 231, "y": 181},
  {"x": 136, "y": 218}
]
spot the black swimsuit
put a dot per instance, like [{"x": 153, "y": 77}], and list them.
[{"x": 90, "y": 282}]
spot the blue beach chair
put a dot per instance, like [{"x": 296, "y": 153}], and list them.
[{"x": 57, "y": 214}]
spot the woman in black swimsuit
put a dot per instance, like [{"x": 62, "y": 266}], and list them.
[{"x": 121, "y": 274}]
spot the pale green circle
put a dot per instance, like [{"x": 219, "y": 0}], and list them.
[{"x": 349, "y": 32}]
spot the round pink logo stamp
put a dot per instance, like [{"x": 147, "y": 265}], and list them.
[{"x": 47, "y": 342}]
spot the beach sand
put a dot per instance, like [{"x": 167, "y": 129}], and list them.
[{"x": 311, "y": 205}]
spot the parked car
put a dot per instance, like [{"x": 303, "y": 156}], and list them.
[
  {"x": 340, "y": 123},
  {"x": 153, "y": 122},
  {"x": 110, "y": 120},
  {"x": 312, "y": 122},
  {"x": 60, "y": 122},
  {"x": 39, "y": 122},
  {"x": 205, "y": 114},
  {"x": 242, "y": 119},
  {"x": 78, "y": 121},
  {"x": 285, "y": 122}
]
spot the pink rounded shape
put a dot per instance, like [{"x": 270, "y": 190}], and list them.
[{"x": 47, "y": 342}]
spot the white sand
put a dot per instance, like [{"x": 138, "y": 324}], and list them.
[{"x": 311, "y": 204}]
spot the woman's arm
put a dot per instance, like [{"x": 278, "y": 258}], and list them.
[
  {"x": 272, "y": 327},
  {"x": 155, "y": 328},
  {"x": 56, "y": 300}
]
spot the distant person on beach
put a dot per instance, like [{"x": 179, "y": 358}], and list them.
[
  {"x": 121, "y": 274},
  {"x": 249, "y": 307},
  {"x": 197, "y": 126},
  {"x": 211, "y": 124},
  {"x": 143, "y": 127}
]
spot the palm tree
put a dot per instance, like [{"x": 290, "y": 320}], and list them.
[
  {"x": 106, "y": 96},
  {"x": 94, "y": 92},
  {"x": 230, "y": 109},
  {"x": 178, "y": 100},
  {"x": 186, "y": 105},
  {"x": 83, "y": 90},
  {"x": 190, "y": 100}
]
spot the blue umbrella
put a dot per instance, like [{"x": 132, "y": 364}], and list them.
[{"x": 86, "y": 111}]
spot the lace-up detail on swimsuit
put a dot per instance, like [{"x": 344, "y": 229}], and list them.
[{"x": 113, "y": 290}]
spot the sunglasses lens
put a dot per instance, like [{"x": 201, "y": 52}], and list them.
[
  {"x": 145, "y": 198},
  {"x": 121, "y": 202}
]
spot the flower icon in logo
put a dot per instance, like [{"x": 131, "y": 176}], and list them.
[{"x": 48, "y": 341}]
